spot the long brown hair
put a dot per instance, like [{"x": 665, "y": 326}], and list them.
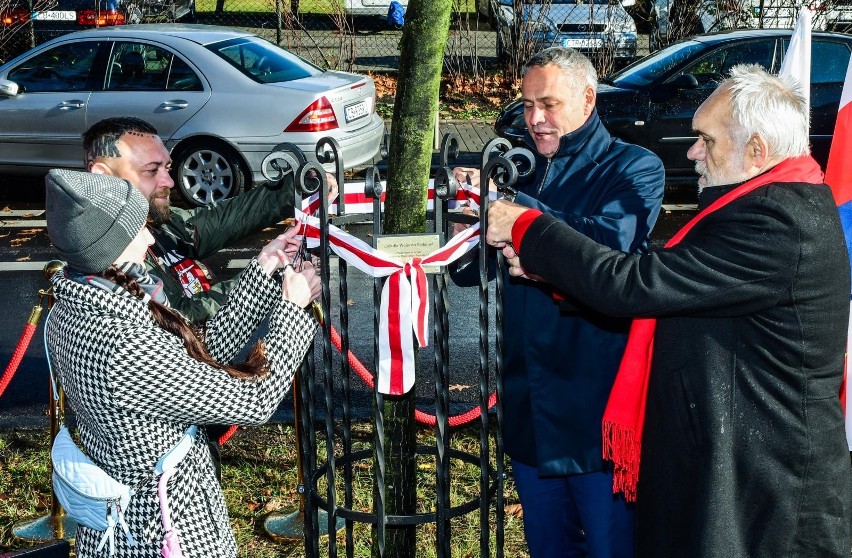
[{"x": 255, "y": 366}]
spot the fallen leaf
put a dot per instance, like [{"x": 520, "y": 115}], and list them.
[
  {"x": 514, "y": 510},
  {"x": 458, "y": 387},
  {"x": 6, "y": 209},
  {"x": 274, "y": 504},
  {"x": 24, "y": 259}
]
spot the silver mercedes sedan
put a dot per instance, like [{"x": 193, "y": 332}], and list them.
[{"x": 220, "y": 98}]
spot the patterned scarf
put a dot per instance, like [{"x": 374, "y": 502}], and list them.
[
  {"x": 624, "y": 417},
  {"x": 150, "y": 284}
]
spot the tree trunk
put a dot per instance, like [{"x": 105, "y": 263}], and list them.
[
  {"x": 424, "y": 39},
  {"x": 421, "y": 57}
]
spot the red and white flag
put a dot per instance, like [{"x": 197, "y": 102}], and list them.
[
  {"x": 797, "y": 59},
  {"x": 838, "y": 172},
  {"x": 838, "y": 175}
]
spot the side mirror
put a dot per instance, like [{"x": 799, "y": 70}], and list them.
[
  {"x": 684, "y": 81},
  {"x": 8, "y": 88}
]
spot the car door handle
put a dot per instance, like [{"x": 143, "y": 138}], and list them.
[
  {"x": 75, "y": 104},
  {"x": 174, "y": 105}
]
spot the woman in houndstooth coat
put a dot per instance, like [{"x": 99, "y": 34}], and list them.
[{"x": 136, "y": 387}]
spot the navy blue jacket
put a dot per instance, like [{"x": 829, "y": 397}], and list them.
[{"x": 559, "y": 366}]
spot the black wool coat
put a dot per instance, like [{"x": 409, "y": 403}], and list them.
[{"x": 744, "y": 452}]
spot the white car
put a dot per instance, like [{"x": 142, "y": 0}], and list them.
[
  {"x": 709, "y": 16},
  {"x": 369, "y": 7},
  {"x": 587, "y": 25},
  {"x": 221, "y": 99}
]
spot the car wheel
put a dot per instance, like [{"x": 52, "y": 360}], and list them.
[{"x": 207, "y": 172}]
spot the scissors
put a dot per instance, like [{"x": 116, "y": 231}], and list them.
[{"x": 298, "y": 261}]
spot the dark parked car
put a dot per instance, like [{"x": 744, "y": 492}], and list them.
[{"x": 652, "y": 101}]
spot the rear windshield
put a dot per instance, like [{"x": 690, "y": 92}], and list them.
[{"x": 262, "y": 61}]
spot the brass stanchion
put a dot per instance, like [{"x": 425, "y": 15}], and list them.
[
  {"x": 290, "y": 527},
  {"x": 57, "y": 525}
]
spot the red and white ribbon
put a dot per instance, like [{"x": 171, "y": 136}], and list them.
[
  {"x": 405, "y": 302},
  {"x": 358, "y": 202}
]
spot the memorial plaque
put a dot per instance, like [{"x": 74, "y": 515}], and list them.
[{"x": 403, "y": 247}]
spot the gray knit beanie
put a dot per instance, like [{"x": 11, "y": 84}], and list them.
[{"x": 92, "y": 218}]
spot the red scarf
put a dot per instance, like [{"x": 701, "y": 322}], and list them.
[{"x": 625, "y": 412}]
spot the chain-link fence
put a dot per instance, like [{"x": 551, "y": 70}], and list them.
[{"x": 357, "y": 35}]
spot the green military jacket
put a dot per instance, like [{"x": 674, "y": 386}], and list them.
[{"x": 195, "y": 234}]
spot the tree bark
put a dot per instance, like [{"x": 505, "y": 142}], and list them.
[
  {"x": 424, "y": 39},
  {"x": 421, "y": 57}
]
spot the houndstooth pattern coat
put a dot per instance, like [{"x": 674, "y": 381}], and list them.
[{"x": 135, "y": 391}]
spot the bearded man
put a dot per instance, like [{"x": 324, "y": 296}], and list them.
[{"x": 130, "y": 148}]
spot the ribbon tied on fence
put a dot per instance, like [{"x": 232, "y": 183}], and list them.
[
  {"x": 357, "y": 200},
  {"x": 404, "y": 308}
]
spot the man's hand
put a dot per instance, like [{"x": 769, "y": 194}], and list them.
[
  {"x": 465, "y": 175},
  {"x": 470, "y": 175},
  {"x": 501, "y": 218},
  {"x": 332, "y": 186},
  {"x": 461, "y": 227},
  {"x": 514, "y": 262}
]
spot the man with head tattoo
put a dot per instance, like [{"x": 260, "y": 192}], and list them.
[{"x": 130, "y": 148}]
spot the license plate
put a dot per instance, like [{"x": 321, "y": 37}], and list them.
[
  {"x": 356, "y": 111},
  {"x": 56, "y": 15},
  {"x": 582, "y": 43}
]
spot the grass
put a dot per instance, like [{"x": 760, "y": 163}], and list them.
[{"x": 259, "y": 476}]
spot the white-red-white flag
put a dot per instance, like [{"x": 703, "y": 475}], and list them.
[{"x": 838, "y": 175}]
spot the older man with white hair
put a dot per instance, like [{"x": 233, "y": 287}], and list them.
[{"x": 729, "y": 386}]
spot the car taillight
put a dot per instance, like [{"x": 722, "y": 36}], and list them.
[
  {"x": 14, "y": 17},
  {"x": 318, "y": 117},
  {"x": 103, "y": 18}
]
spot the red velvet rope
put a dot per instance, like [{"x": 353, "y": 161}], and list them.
[
  {"x": 223, "y": 439},
  {"x": 367, "y": 377},
  {"x": 419, "y": 416},
  {"x": 17, "y": 356}
]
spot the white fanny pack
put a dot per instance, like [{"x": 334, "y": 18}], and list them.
[{"x": 87, "y": 492}]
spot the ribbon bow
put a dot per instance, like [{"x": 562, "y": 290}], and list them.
[{"x": 404, "y": 302}]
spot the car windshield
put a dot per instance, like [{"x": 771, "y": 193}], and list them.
[
  {"x": 648, "y": 69},
  {"x": 262, "y": 61}
]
